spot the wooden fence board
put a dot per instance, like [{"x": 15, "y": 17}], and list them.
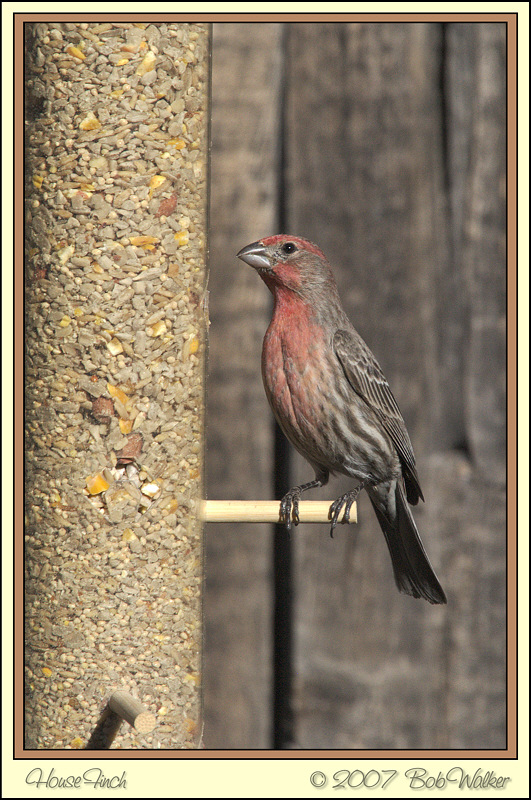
[
  {"x": 371, "y": 187},
  {"x": 395, "y": 158},
  {"x": 245, "y": 139}
]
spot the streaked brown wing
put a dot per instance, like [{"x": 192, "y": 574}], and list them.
[{"x": 368, "y": 381}]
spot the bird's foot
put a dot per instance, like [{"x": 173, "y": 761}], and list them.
[
  {"x": 346, "y": 501},
  {"x": 289, "y": 505},
  {"x": 289, "y": 508}
]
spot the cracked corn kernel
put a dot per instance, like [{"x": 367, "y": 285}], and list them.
[
  {"x": 118, "y": 394},
  {"x": 126, "y": 425},
  {"x": 90, "y": 123},
  {"x": 190, "y": 347},
  {"x": 77, "y": 743},
  {"x": 142, "y": 241},
  {"x": 97, "y": 484},
  {"x": 115, "y": 347},
  {"x": 158, "y": 329},
  {"x": 170, "y": 505},
  {"x": 148, "y": 63},
  {"x": 76, "y": 52},
  {"x": 156, "y": 181},
  {"x": 181, "y": 238}
]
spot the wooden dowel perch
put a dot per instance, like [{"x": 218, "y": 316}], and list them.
[
  {"x": 132, "y": 711},
  {"x": 265, "y": 511}
]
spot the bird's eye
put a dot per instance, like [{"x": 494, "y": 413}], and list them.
[{"x": 288, "y": 248}]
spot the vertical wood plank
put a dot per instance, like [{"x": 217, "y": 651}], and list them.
[
  {"x": 470, "y": 481},
  {"x": 245, "y": 147},
  {"x": 484, "y": 257}
]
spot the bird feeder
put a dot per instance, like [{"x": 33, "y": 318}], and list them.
[
  {"x": 116, "y": 204},
  {"x": 115, "y": 331}
]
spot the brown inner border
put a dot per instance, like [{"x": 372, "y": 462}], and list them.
[{"x": 18, "y": 378}]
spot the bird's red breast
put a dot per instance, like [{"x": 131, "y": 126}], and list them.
[{"x": 292, "y": 363}]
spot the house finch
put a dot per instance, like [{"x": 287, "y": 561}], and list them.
[{"x": 334, "y": 404}]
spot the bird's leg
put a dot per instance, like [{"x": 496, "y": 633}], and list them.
[
  {"x": 346, "y": 500},
  {"x": 289, "y": 505}
]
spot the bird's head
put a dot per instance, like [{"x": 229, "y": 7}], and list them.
[{"x": 288, "y": 262}]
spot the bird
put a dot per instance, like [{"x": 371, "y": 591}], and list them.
[{"x": 334, "y": 404}]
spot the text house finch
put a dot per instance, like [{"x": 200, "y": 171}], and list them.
[{"x": 333, "y": 403}]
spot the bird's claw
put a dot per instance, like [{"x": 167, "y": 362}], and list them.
[
  {"x": 333, "y": 514},
  {"x": 346, "y": 501},
  {"x": 289, "y": 509}
]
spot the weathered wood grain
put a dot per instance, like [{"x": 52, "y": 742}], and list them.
[
  {"x": 369, "y": 180},
  {"x": 394, "y": 164},
  {"x": 237, "y": 608}
]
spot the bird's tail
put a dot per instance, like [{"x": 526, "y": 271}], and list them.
[{"x": 413, "y": 572}]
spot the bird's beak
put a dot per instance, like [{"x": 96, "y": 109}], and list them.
[{"x": 255, "y": 255}]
